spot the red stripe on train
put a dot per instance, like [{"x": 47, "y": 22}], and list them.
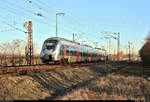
[
  {"x": 78, "y": 54},
  {"x": 91, "y": 55},
  {"x": 65, "y": 53}
]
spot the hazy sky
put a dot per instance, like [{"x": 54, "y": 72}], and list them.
[{"x": 129, "y": 17}]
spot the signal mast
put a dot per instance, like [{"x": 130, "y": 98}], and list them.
[{"x": 29, "y": 46}]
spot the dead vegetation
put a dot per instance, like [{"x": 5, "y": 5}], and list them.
[
  {"x": 111, "y": 87},
  {"x": 12, "y": 53},
  {"x": 84, "y": 83}
]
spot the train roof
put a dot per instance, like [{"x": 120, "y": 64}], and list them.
[
  {"x": 87, "y": 45},
  {"x": 63, "y": 39},
  {"x": 58, "y": 38}
]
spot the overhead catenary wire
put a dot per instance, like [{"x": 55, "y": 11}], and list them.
[
  {"x": 22, "y": 14},
  {"x": 63, "y": 27},
  {"x": 36, "y": 4},
  {"x": 7, "y": 30},
  {"x": 38, "y": 20},
  {"x": 68, "y": 18},
  {"x": 45, "y": 5},
  {"x": 21, "y": 8},
  {"x": 14, "y": 27}
]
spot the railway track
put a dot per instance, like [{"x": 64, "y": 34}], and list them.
[
  {"x": 121, "y": 68},
  {"x": 124, "y": 68},
  {"x": 8, "y": 71},
  {"x": 131, "y": 68}
]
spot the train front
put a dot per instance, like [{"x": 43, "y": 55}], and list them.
[{"x": 48, "y": 51}]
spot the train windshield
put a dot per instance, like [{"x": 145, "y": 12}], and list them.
[{"x": 50, "y": 44}]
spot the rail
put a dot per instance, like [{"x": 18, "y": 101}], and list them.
[{"x": 38, "y": 68}]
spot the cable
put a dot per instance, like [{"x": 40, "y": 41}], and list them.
[
  {"x": 12, "y": 10},
  {"x": 37, "y": 14},
  {"x": 44, "y": 22},
  {"x": 14, "y": 27},
  {"x": 46, "y": 5},
  {"x": 21, "y": 8},
  {"x": 7, "y": 30},
  {"x": 68, "y": 18},
  {"x": 53, "y": 9}
]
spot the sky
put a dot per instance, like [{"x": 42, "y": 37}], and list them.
[{"x": 86, "y": 18}]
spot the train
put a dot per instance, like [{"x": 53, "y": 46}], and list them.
[
  {"x": 56, "y": 49},
  {"x": 145, "y": 52}
]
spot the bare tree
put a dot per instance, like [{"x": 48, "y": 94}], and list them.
[
  {"x": 5, "y": 51},
  {"x": 17, "y": 49},
  {"x": 12, "y": 52}
]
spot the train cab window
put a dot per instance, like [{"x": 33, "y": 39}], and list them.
[{"x": 51, "y": 44}]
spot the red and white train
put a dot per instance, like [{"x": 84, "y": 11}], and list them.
[{"x": 61, "y": 50}]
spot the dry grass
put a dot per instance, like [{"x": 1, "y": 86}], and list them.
[
  {"x": 16, "y": 60},
  {"x": 86, "y": 83},
  {"x": 111, "y": 87}
]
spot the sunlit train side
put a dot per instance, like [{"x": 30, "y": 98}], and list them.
[{"x": 62, "y": 50}]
